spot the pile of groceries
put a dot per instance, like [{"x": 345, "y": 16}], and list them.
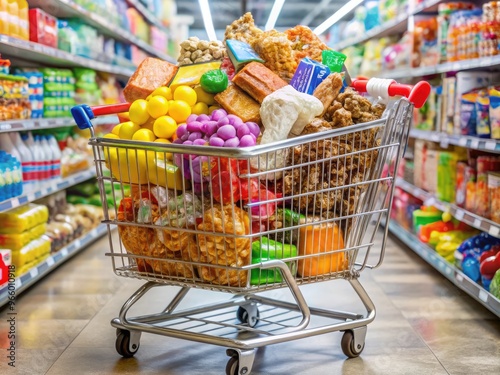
[{"x": 190, "y": 215}]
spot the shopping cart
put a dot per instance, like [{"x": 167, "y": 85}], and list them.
[{"x": 250, "y": 220}]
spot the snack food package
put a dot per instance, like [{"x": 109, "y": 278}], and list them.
[
  {"x": 494, "y": 193},
  {"x": 235, "y": 101},
  {"x": 494, "y": 112},
  {"x": 258, "y": 81},
  {"x": 309, "y": 75}
]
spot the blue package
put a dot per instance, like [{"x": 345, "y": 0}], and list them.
[
  {"x": 240, "y": 53},
  {"x": 468, "y": 113},
  {"x": 309, "y": 75}
]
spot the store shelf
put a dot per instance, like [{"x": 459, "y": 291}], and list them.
[
  {"x": 451, "y": 272},
  {"x": 147, "y": 14},
  {"x": 23, "y": 50},
  {"x": 481, "y": 63},
  {"x": 395, "y": 26},
  {"x": 52, "y": 262},
  {"x": 68, "y": 9},
  {"x": 459, "y": 213},
  {"x": 482, "y": 144},
  {"x": 46, "y": 188},
  {"x": 50, "y": 123}
]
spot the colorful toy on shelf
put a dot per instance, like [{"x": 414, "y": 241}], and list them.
[
  {"x": 489, "y": 265},
  {"x": 472, "y": 249},
  {"x": 425, "y": 215}
]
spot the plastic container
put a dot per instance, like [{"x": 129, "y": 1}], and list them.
[
  {"x": 12, "y": 18},
  {"x": 46, "y": 157},
  {"x": 37, "y": 156},
  {"x": 27, "y": 158},
  {"x": 24, "y": 25},
  {"x": 23, "y": 218},
  {"x": 3, "y": 17},
  {"x": 7, "y": 146},
  {"x": 56, "y": 155},
  {"x": 16, "y": 241}
]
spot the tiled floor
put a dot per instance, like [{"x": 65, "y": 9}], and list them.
[{"x": 424, "y": 325}]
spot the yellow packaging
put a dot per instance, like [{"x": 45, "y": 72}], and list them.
[
  {"x": 23, "y": 218},
  {"x": 16, "y": 241},
  {"x": 31, "y": 253},
  {"x": 190, "y": 75}
]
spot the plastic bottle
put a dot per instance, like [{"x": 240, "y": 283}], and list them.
[
  {"x": 29, "y": 141},
  {"x": 24, "y": 24},
  {"x": 17, "y": 175},
  {"x": 46, "y": 156},
  {"x": 7, "y": 175},
  {"x": 7, "y": 145},
  {"x": 50, "y": 156},
  {"x": 27, "y": 158},
  {"x": 12, "y": 18},
  {"x": 3, "y": 182},
  {"x": 56, "y": 154}
]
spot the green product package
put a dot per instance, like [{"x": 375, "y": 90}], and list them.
[
  {"x": 266, "y": 249},
  {"x": 446, "y": 176},
  {"x": 333, "y": 60}
]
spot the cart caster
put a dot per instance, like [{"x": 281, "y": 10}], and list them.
[
  {"x": 353, "y": 342},
  {"x": 127, "y": 343},
  {"x": 240, "y": 362},
  {"x": 248, "y": 314}
]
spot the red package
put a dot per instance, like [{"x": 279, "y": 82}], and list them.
[{"x": 43, "y": 28}]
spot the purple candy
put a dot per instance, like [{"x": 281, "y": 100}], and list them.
[
  {"x": 187, "y": 143},
  {"x": 232, "y": 142},
  {"x": 199, "y": 142},
  {"x": 210, "y": 127},
  {"x": 234, "y": 120},
  {"x": 247, "y": 141},
  {"x": 216, "y": 141},
  {"x": 178, "y": 141},
  {"x": 184, "y": 137},
  {"x": 191, "y": 118},
  {"x": 223, "y": 121},
  {"x": 218, "y": 114},
  {"x": 226, "y": 132},
  {"x": 181, "y": 130},
  {"x": 194, "y": 126},
  {"x": 195, "y": 135},
  {"x": 254, "y": 128},
  {"x": 203, "y": 118},
  {"x": 242, "y": 130}
]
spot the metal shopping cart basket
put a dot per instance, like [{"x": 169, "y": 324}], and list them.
[{"x": 250, "y": 220}]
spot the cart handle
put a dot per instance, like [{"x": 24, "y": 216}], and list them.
[
  {"x": 84, "y": 113},
  {"x": 417, "y": 95}
]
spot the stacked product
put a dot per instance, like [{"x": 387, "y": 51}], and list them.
[
  {"x": 59, "y": 92},
  {"x": 22, "y": 233},
  {"x": 14, "y": 95}
]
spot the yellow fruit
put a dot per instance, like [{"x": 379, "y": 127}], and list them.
[
  {"x": 179, "y": 110},
  {"x": 144, "y": 135},
  {"x": 111, "y": 135},
  {"x": 165, "y": 127},
  {"x": 163, "y": 173},
  {"x": 187, "y": 94},
  {"x": 163, "y": 155},
  {"x": 128, "y": 166},
  {"x": 157, "y": 106},
  {"x": 138, "y": 111},
  {"x": 204, "y": 96},
  {"x": 164, "y": 91},
  {"x": 200, "y": 108},
  {"x": 127, "y": 130},
  {"x": 116, "y": 130},
  {"x": 212, "y": 108}
]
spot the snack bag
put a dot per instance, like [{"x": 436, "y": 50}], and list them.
[
  {"x": 494, "y": 112},
  {"x": 468, "y": 114}
]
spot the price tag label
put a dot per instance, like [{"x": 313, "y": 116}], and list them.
[
  {"x": 477, "y": 223},
  {"x": 462, "y": 142},
  {"x": 494, "y": 231},
  {"x": 15, "y": 202},
  {"x": 483, "y": 296},
  {"x": 490, "y": 145},
  {"x": 459, "y": 215},
  {"x": 78, "y": 244},
  {"x": 50, "y": 261},
  {"x": 444, "y": 142},
  {"x": 5, "y": 126},
  {"x": 459, "y": 277},
  {"x": 474, "y": 143},
  {"x": 448, "y": 270},
  {"x": 431, "y": 201},
  {"x": 34, "y": 272}
]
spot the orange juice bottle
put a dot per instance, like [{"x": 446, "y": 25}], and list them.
[
  {"x": 24, "y": 24},
  {"x": 12, "y": 18}
]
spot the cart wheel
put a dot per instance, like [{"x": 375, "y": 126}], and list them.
[
  {"x": 347, "y": 345},
  {"x": 233, "y": 365},
  {"x": 245, "y": 317},
  {"x": 122, "y": 344}
]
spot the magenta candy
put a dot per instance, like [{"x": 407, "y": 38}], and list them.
[
  {"x": 234, "y": 120},
  {"x": 178, "y": 141},
  {"x": 216, "y": 141},
  {"x": 195, "y": 135},
  {"x": 242, "y": 130},
  {"x": 210, "y": 127},
  {"x": 191, "y": 118},
  {"x": 194, "y": 126},
  {"x": 203, "y": 118},
  {"x": 254, "y": 128},
  {"x": 218, "y": 114},
  {"x": 199, "y": 142},
  {"x": 223, "y": 121},
  {"x": 226, "y": 132},
  {"x": 232, "y": 142},
  {"x": 247, "y": 141},
  {"x": 184, "y": 137},
  {"x": 187, "y": 143}
]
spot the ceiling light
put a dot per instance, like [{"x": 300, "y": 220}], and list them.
[
  {"x": 338, "y": 15},
  {"x": 273, "y": 16},
  {"x": 207, "y": 19}
]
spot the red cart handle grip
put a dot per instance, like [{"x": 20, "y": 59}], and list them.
[
  {"x": 417, "y": 94},
  {"x": 103, "y": 110}
]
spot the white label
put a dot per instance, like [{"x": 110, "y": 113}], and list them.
[
  {"x": 444, "y": 142},
  {"x": 490, "y": 145},
  {"x": 50, "y": 261},
  {"x": 483, "y": 296},
  {"x": 5, "y": 126},
  {"x": 14, "y": 203},
  {"x": 477, "y": 223},
  {"x": 459, "y": 277},
  {"x": 474, "y": 143},
  {"x": 78, "y": 244},
  {"x": 448, "y": 270},
  {"x": 462, "y": 142},
  {"x": 459, "y": 215},
  {"x": 494, "y": 231},
  {"x": 34, "y": 272}
]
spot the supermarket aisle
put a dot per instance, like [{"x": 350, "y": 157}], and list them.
[{"x": 424, "y": 326}]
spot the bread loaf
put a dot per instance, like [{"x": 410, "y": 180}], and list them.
[
  {"x": 236, "y": 102},
  {"x": 258, "y": 81}
]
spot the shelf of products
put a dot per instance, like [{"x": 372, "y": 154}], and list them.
[
  {"x": 68, "y": 9},
  {"x": 483, "y": 144},
  {"x": 49, "y": 123},
  {"x": 148, "y": 15},
  {"x": 459, "y": 213},
  {"x": 451, "y": 272},
  {"x": 36, "y": 52},
  {"x": 394, "y": 26},
  {"x": 52, "y": 262},
  {"x": 47, "y": 188}
]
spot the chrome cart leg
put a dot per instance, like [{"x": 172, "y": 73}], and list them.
[
  {"x": 240, "y": 361},
  {"x": 176, "y": 300},
  {"x": 139, "y": 293}
]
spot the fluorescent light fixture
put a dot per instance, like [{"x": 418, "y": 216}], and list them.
[
  {"x": 207, "y": 19},
  {"x": 337, "y": 16},
  {"x": 273, "y": 16}
]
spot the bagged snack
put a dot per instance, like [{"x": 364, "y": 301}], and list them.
[
  {"x": 494, "y": 112},
  {"x": 483, "y": 114},
  {"x": 275, "y": 48},
  {"x": 494, "y": 193}
]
